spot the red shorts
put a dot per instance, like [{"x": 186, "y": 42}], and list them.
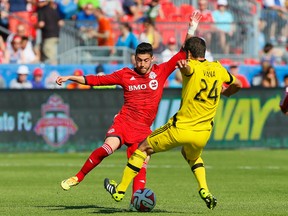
[{"x": 129, "y": 133}]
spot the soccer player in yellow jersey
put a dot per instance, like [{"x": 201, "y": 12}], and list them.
[{"x": 191, "y": 126}]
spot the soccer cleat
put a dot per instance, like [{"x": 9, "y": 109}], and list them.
[
  {"x": 110, "y": 186},
  {"x": 70, "y": 182},
  {"x": 209, "y": 199}
]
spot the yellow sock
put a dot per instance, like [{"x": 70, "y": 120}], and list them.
[
  {"x": 132, "y": 168},
  {"x": 200, "y": 174}
]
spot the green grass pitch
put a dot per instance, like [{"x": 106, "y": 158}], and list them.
[{"x": 245, "y": 182}]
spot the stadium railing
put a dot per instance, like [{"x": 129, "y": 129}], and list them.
[
  {"x": 244, "y": 43},
  {"x": 96, "y": 55}
]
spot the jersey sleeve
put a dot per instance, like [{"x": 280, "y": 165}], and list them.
[
  {"x": 111, "y": 79},
  {"x": 228, "y": 78},
  {"x": 170, "y": 65}
]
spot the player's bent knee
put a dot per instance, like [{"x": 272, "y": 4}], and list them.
[{"x": 183, "y": 153}]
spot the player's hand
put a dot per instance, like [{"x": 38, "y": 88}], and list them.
[
  {"x": 61, "y": 79},
  {"x": 181, "y": 63},
  {"x": 194, "y": 21}
]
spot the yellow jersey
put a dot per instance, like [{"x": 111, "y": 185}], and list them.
[{"x": 201, "y": 94}]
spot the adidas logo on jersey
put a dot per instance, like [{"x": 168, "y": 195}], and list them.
[{"x": 132, "y": 78}]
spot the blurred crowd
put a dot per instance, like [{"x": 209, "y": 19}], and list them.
[{"x": 34, "y": 28}]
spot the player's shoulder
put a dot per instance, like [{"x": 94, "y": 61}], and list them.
[
  {"x": 156, "y": 67},
  {"x": 217, "y": 65},
  {"x": 127, "y": 69},
  {"x": 124, "y": 70}
]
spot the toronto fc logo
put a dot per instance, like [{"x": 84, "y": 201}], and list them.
[
  {"x": 152, "y": 75},
  {"x": 55, "y": 125}
]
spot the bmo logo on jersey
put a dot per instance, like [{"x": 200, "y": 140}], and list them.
[{"x": 153, "y": 84}]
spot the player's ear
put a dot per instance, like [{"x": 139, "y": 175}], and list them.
[{"x": 189, "y": 55}]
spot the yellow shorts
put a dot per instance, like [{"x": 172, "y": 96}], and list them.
[{"x": 168, "y": 136}]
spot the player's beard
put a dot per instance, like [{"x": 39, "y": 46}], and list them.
[{"x": 144, "y": 70}]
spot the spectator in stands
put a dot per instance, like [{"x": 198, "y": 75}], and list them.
[
  {"x": 270, "y": 79},
  {"x": 176, "y": 82},
  {"x": 99, "y": 70},
  {"x": 133, "y": 8},
  {"x": 127, "y": 38},
  {"x": 104, "y": 35},
  {"x": 224, "y": 23},
  {"x": 32, "y": 8},
  {"x": 2, "y": 82},
  {"x": 171, "y": 49},
  {"x": 153, "y": 10},
  {"x": 37, "y": 82},
  {"x": 30, "y": 56},
  {"x": 257, "y": 78},
  {"x": 86, "y": 22},
  {"x": 4, "y": 14},
  {"x": 18, "y": 14},
  {"x": 112, "y": 9},
  {"x": 275, "y": 15},
  {"x": 206, "y": 24},
  {"x": 268, "y": 55},
  {"x": 68, "y": 8},
  {"x": 15, "y": 55},
  {"x": 285, "y": 55},
  {"x": 261, "y": 35},
  {"x": 74, "y": 85},
  {"x": 21, "y": 81},
  {"x": 82, "y": 3},
  {"x": 49, "y": 21},
  {"x": 234, "y": 70},
  {"x": 2, "y": 50},
  {"x": 151, "y": 35},
  {"x": 20, "y": 31}
]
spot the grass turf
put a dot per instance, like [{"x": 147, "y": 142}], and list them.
[{"x": 245, "y": 182}]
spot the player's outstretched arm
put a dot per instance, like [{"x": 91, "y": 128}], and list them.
[
  {"x": 232, "y": 89},
  {"x": 78, "y": 79},
  {"x": 193, "y": 24}
]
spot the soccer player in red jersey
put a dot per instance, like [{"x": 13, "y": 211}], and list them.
[{"x": 143, "y": 88}]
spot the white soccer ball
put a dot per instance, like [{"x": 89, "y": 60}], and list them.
[{"x": 144, "y": 200}]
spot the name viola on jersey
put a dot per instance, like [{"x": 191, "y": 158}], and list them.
[
  {"x": 209, "y": 73},
  {"x": 153, "y": 84}
]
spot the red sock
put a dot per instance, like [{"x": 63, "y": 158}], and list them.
[
  {"x": 94, "y": 159},
  {"x": 140, "y": 180}
]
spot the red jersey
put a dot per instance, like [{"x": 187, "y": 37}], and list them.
[{"x": 142, "y": 93}]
